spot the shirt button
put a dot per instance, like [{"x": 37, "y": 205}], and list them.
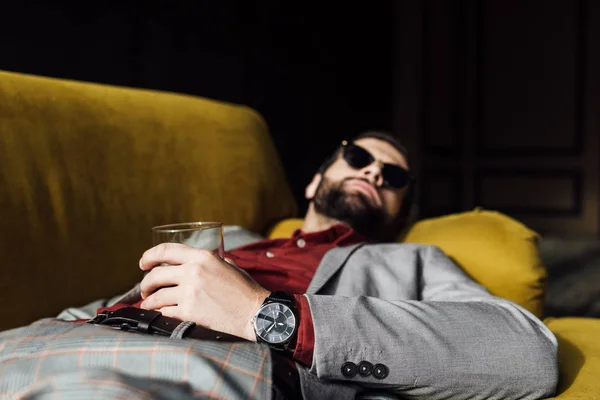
[
  {"x": 269, "y": 254},
  {"x": 301, "y": 243}
]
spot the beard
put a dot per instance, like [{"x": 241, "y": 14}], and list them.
[{"x": 354, "y": 209}]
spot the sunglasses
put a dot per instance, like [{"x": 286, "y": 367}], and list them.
[{"x": 393, "y": 175}]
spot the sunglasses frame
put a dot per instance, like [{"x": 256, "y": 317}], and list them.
[{"x": 409, "y": 178}]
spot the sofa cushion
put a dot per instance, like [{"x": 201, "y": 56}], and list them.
[
  {"x": 495, "y": 250},
  {"x": 284, "y": 228},
  {"x": 578, "y": 356}
]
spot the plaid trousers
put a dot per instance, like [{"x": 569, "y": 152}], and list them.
[{"x": 56, "y": 359}]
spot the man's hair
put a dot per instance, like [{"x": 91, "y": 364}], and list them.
[{"x": 401, "y": 221}]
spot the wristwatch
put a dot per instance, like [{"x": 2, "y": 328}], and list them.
[{"x": 276, "y": 323}]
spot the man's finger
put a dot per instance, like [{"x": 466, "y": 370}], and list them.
[
  {"x": 172, "y": 253},
  {"x": 169, "y": 275},
  {"x": 163, "y": 297},
  {"x": 170, "y": 311}
]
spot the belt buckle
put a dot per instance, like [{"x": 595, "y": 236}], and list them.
[
  {"x": 127, "y": 319},
  {"x": 115, "y": 320},
  {"x": 99, "y": 318}
]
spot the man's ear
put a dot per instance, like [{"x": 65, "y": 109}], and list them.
[{"x": 311, "y": 189}]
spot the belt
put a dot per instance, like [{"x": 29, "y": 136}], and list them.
[
  {"x": 153, "y": 322},
  {"x": 286, "y": 381}
]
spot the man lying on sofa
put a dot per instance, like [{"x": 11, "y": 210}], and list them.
[{"x": 351, "y": 312}]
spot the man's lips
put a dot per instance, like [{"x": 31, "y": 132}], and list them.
[{"x": 365, "y": 188}]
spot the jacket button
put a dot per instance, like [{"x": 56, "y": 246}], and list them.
[
  {"x": 349, "y": 369},
  {"x": 365, "y": 368},
  {"x": 380, "y": 371}
]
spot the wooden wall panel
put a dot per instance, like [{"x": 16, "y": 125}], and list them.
[
  {"x": 530, "y": 192},
  {"x": 530, "y": 76},
  {"x": 443, "y": 80},
  {"x": 508, "y": 108},
  {"x": 441, "y": 191}
]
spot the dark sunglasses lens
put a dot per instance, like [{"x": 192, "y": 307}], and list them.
[
  {"x": 357, "y": 157},
  {"x": 395, "y": 176}
]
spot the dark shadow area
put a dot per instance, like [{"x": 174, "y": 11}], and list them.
[
  {"x": 573, "y": 266},
  {"x": 317, "y": 74}
]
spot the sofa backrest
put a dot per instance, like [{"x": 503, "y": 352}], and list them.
[{"x": 86, "y": 170}]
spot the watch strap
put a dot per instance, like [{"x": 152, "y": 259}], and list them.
[{"x": 282, "y": 297}]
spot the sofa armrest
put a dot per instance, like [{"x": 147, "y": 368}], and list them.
[
  {"x": 86, "y": 170},
  {"x": 579, "y": 357}
]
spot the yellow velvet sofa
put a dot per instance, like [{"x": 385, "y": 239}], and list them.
[{"x": 86, "y": 170}]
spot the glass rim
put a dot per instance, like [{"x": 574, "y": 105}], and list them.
[{"x": 186, "y": 227}]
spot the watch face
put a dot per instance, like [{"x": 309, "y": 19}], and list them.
[{"x": 275, "y": 323}]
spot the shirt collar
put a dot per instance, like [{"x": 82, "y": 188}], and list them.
[{"x": 338, "y": 235}]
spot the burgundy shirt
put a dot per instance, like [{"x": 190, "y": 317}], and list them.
[{"x": 288, "y": 265}]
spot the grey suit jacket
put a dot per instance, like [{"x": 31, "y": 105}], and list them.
[{"x": 438, "y": 334}]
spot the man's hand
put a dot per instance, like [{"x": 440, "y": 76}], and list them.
[{"x": 199, "y": 286}]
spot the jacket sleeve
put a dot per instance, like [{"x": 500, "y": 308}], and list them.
[{"x": 457, "y": 341}]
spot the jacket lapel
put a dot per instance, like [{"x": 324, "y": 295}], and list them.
[{"x": 333, "y": 260}]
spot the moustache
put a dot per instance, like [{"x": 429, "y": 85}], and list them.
[{"x": 343, "y": 181}]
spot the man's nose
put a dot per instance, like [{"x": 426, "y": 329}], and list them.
[{"x": 372, "y": 173}]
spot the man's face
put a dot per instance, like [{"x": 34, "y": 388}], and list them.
[{"x": 359, "y": 197}]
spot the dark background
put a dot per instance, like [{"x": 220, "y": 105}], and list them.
[
  {"x": 497, "y": 100},
  {"x": 318, "y": 72}
]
